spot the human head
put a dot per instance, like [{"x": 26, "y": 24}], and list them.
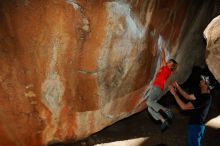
[
  {"x": 206, "y": 82},
  {"x": 172, "y": 64}
]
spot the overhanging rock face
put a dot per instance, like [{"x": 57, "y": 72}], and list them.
[{"x": 69, "y": 68}]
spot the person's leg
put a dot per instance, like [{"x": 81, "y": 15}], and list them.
[
  {"x": 163, "y": 110},
  {"x": 146, "y": 92},
  {"x": 154, "y": 95},
  {"x": 201, "y": 130},
  {"x": 195, "y": 134},
  {"x": 190, "y": 132},
  {"x": 153, "y": 107},
  {"x": 155, "y": 115}
]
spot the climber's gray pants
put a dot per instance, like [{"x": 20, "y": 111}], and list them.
[{"x": 152, "y": 96}]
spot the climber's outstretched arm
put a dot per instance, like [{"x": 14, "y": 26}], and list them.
[{"x": 162, "y": 58}]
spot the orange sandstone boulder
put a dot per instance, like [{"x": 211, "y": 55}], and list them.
[
  {"x": 70, "y": 68},
  {"x": 212, "y": 35}
]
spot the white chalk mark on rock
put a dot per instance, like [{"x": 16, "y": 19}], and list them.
[
  {"x": 52, "y": 88},
  {"x": 124, "y": 39},
  {"x": 52, "y": 91},
  {"x": 74, "y": 4}
]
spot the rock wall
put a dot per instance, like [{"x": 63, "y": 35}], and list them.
[
  {"x": 212, "y": 35},
  {"x": 70, "y": 68}
]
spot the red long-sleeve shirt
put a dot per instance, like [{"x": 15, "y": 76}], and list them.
[{"x": 162, "y": 76}]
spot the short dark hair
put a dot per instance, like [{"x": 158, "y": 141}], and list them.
[
  {"x": 174, "y": 61},
  {"x": 175, "y": 64}
]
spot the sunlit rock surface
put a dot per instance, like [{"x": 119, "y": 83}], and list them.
[
  {"x": 70, "y": 68},
  {"x": 212, "y": 35}
]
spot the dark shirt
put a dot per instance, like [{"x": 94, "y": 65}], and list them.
[{"x": 201, "y": 105}]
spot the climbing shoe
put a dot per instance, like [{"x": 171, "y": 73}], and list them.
[
  {"x": 164, "y": 126},
  {"x": 167, "y": 114}
]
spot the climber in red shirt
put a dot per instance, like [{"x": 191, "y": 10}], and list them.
[{"x": 156, "y": 90}]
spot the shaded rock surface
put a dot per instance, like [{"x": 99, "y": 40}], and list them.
[{"x": 69, "y": 68}]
